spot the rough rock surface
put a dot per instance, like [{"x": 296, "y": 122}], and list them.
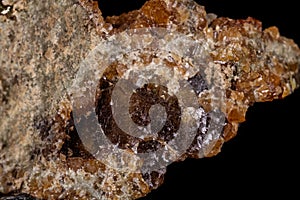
[{"x": 41, "y": 46}]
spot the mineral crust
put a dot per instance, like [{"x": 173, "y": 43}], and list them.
[{"x": 42, "y": 44}]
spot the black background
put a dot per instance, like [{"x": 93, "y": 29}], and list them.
[{"x": 262, "y": 160}]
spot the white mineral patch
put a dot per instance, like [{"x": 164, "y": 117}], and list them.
[{"x": 4, "y": 12}]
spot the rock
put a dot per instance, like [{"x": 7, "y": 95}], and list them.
[{"x": 96, "y": 109}]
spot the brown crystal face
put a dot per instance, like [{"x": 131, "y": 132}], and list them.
[
  {"x": 141, "y": 101},
  {"x": 146, "y": 104}
]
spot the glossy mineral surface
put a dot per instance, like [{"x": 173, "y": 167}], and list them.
[{"x": 228, "y": 64}]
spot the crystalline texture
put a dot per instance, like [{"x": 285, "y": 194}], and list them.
[{"x": 41, "y": 151}]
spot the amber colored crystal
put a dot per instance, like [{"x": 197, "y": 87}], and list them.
[{"x": 41, "y": 152}]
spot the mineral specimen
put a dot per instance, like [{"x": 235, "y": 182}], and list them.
[{"x": 97, "y": 109}]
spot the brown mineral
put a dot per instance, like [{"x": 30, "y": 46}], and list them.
[{"x": 97, "y": 109}]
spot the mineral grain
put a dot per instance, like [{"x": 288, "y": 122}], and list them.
[{"x": 42, "y": 44}]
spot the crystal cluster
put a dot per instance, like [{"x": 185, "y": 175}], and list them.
[{"x": 215, "y": 67}]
